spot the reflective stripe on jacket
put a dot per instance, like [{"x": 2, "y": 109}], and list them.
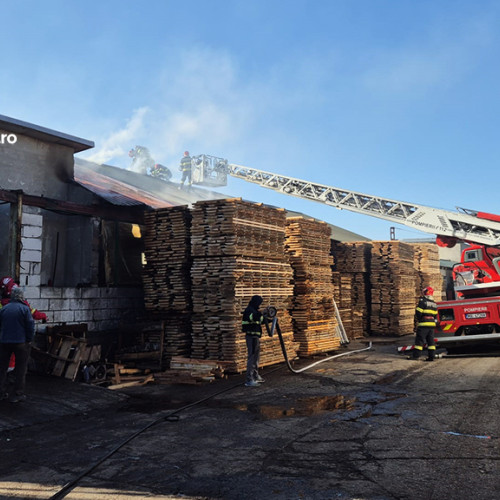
[
  {"x": 426, "y": 312},
  {"x": 186, "y": 163},
  {"x": 252, "y": 322}
]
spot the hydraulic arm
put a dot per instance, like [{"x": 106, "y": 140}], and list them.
[{"x": 461, "y": 225}]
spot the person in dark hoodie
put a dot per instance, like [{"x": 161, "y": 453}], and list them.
[
  {"x": 17, "y": 329},
  {"x": 252, "y": 327}
]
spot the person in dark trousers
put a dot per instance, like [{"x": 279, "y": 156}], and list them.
[
  {"x": 185, "y": 168},
  {"x": 426, "y": 317},
  {"x": 252, "y": 327},
  {"x": 17, "y": 329}
]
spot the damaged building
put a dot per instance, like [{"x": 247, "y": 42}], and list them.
[{"x": 93, "y": 245}]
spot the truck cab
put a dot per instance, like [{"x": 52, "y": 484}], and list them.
[{"x": 478, "y": 264}]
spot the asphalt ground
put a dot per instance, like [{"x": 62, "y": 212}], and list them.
[{"x": 368, "y": 425}]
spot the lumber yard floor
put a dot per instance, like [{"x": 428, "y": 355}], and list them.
[{"x": 371, "y": 425}]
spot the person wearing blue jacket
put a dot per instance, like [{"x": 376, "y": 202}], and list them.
[{"x": 17, "y": 330}]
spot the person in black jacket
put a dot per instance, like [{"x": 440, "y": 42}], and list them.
[
  {"x": 426, "y": 317},
  {"x": 252, "y": 327},
  {"x": 17, "y": 329}
]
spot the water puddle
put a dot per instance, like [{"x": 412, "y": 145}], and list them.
[{"x": 304, "y": 407}]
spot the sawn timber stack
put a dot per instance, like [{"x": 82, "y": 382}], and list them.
[
  {"x": 167, "y": 279},
  {"x": 392, "y": 288},
  {"x": 313, "y": 312},
  {"x": 238, "y": 251}
]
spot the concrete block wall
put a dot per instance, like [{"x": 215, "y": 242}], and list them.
[
  {"x": 31, "y": 253},
  {"x": 102, "y": 308}
]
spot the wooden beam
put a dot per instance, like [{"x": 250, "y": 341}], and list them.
[{"x": 110, "y": 212}]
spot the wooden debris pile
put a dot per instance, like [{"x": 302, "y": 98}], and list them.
[
  {"x": 122, "y": 376},
  {"x": 167, "y": 278},
  {"x": 351, "y": 278},
  {"x": 393, "y": 297},
  {"x": 67, "y": 353},
  {"x": 313, "y": 312},
  {"x": 191, "y": 371},
  {"x": 427, "y": 268},
  {"x": 238, "y": 251}
]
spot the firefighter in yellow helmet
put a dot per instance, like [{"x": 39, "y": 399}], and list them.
[{"x": 426, "y": 317}]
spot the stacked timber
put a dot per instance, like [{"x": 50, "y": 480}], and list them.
[
  {"x": 167, "y": 279},
  {"x": 313, "y": 312},
  {"x": 342, "y": 284},
  {"x": 427, "y": 268},
  {"x": 238, "y": 250},
  {"x": 352, "y": 284},
  {"x": 393, "y": 295}
]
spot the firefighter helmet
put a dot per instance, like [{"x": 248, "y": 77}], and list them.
[
  {"x": 428, "y": 290},
  {"x": 6, "y": 285}
]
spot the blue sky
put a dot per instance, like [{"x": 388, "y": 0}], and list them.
[{"x": 395, "y": 98}]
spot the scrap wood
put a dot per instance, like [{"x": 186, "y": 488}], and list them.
[{"x": 133, "y": 383}]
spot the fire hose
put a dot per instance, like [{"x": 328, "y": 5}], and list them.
[{"x": 271, "y": 314}]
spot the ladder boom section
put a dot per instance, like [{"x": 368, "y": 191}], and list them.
[{"x": 464, "y": 226}]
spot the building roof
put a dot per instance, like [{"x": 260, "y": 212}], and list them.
[
  {"x": 44, "y": 134},
  {"x": 124, "y": 187}
]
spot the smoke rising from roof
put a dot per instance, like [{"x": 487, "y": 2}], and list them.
[{"x": 120, "y": 142}]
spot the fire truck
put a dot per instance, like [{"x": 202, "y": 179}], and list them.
[{"x": 473, "y": 315}]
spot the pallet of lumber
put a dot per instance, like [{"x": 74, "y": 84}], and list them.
[
  {"x": 313, "y": 311},
  {"x": 238, "y": 251},
  {"x": 427, "y": 269},
  {"x": 167, "y": 278},
  {"x": 184, "y": 370},
  {"x": 352, "y": 257},
  {"x": 166, "y": 275},
  {"x": 351, "y": 278},
  {"x": 393, "y": 297}
]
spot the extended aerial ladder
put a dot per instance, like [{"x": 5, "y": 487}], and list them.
[{"x": 449, "y": 226}]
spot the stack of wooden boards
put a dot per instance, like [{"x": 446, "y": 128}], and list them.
[
  {"x": 426, "y": 262},
  {"x": 393, "y": 288},
  {"x": 313, "y": 312},
  {"x": 377, "y": 284},
  {"x": 238, "y": 250},
  {"x": 166, "y": 277},
  {"x": 205, "y": 263},
  {"x": 351, "y": 279}
]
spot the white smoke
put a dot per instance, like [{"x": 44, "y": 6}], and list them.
[{"x": 119, "y": 143}]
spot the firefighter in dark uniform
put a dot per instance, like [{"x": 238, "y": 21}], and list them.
[
  {"x": 426, "y": 317},
  {"x": 252, "y": 327},
  {"x": 185, "y": 168}
]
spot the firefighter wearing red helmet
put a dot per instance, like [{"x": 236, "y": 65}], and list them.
[
  {"x": 185, "y": 168},
  {"x": 426, "y": 318},
  {"x": 6, "y": 285}
]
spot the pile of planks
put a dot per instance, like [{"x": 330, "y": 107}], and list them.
[
  {"x": 351, "y": 278},
  {"x": 167, "y": 278},
  {"x": 121, "y": 376},
  {"x": 238, "y": 251},
  {"x": 427, "y": 269},
  {"x": 392, "y": 288},
  {"x": 313, "y": 312},
  {"x": 191, "y": 371}
]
